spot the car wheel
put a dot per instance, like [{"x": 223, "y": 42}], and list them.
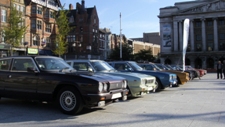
[
  {"x": 159, "y": 86},
  {"x": 69, "y": 101}
]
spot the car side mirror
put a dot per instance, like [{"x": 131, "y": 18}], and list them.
[{"x": 90, "y": 69}]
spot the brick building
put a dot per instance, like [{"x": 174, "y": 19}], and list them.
[
  {"x": 83, "y": 40},
  {"x": 4, "y": 10}
]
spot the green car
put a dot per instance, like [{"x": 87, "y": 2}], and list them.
[{"x": 138, "y": 84}]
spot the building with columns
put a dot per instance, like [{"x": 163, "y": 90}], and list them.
[{"x": 206, "y": 42}]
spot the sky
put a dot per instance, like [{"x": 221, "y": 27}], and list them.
[{"x": 137, "y": 16}]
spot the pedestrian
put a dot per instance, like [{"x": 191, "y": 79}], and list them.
[
  {"x": 223, "y": 69},
  {"x": 219, "y": 70}
]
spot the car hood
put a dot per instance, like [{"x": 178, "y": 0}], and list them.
[
  {"x": 99, "y": 77},
  {"x": 127, "y": 74}
]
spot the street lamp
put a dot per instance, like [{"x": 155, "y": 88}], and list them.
[{"x": 25, "y": 49}]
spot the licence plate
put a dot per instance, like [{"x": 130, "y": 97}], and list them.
[
  {"x": 117, "y": 95},
  {"x": 150, "y": 88}
]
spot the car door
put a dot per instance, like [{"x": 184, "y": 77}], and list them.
[
  {"x": 4, "y": 72},
  {"x": 19, "y": 81}
]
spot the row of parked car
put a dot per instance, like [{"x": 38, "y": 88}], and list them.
[{"x": 75, "y": 84}]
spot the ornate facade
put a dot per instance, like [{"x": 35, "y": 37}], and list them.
[{"x": 206, "y": 43}]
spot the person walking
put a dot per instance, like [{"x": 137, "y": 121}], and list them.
[
  {"x": 219, "y": 70},
  {"x": 223, "y": 67}
]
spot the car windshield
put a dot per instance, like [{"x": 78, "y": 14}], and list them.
[
  {"x": 102, "y": 66},
  {"x": 52, "y": 64},
  {"x": 136, "y": 66},
  {"x": 157, "y": 68}
]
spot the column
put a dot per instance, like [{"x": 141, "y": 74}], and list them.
[
  {"x": 215, "y": 34},
  {"x": 203, "y": 36},
  {"x": 175, "y": 36},
  {"x": 192, "y": 38},
  {"x": 180, "y": 35}
]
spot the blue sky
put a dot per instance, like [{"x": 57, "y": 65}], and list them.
[{"x": 138, "y": 16}]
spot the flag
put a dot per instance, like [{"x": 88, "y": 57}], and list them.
[{"x": 185, "y": 39}]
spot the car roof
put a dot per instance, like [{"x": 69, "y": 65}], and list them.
[{"x": 33, "y": 56}]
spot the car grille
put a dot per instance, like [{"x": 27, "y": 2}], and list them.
[{"x": 115, "y": 85}]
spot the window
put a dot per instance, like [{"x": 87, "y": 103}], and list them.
[
  {"x": 5, "y": 64},
  {"x": 51, "y": 14},
  {"x": 33, "y": 10},
  {"x": 52, "y": 2},
  {"x": 22, "y": 64},
  {"x": 209, "y": 23},
  {"x": 210, "y": 46},
  {"x": 71, "y": 20},
  {"x": 221, "y": 36},
  {"x": 3, "y": 15},
  {"x": 209, "y": 37},
  {"x": 81, "y": 38},
  {"x": 198, "y": 24},
  {"x": 36, "y": 40},
  {"x": 48, "y": 28},
  {"x": 71, "y": 38},
  {"x": 33, "y": 24},
  {"x": 39, "y": 10},
  {"x": 222, "y": 46},
  {"x": 3, "y": 36},
  {"x": 221, "y": 22},
  {"x": 198, "y": 47},
  {"x": 198, "y": 37},
  {"x": 39, "y": 24},
  {"x": 81, "y": 29}
]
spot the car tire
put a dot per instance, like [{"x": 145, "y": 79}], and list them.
[
  {"x": 69, "y": 101},
  {"x": 159, "y": 86}
]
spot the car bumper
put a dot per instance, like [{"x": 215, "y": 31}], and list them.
[{"x": 103, "y": 99}]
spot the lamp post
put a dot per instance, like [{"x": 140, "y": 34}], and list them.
[{"x": 25, "y": 49}]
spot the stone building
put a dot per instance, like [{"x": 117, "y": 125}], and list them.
[{"x": 206, "y": 43}]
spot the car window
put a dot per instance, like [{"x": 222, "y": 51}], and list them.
[
  {"x": 81, "y": 66},
  {"x": 22, "y": 64},
  {"x": 122, "y": 67},
  {"x": 5, "y": 64},
  {"x": 52, "y": 64}
]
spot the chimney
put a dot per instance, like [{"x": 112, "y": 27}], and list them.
[
  {"x": 83, "y": 4},
  {"x": 70, "y": 7}
]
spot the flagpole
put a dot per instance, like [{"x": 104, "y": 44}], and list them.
[
  {"x": 120, "y": 40},
  {"x": 185, "y": 39}
]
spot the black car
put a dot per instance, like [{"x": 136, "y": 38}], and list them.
[{"x": 48, "y": 78}]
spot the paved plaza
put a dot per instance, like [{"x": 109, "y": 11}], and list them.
[{"x": 198, "y": 103}]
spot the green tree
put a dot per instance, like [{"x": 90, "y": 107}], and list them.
[
  {"x": 126, "y": 53},
  {"x": 144, "y": 55},
  {"x": 63, "y": 29},
  {"x": 15, "y": 29}
]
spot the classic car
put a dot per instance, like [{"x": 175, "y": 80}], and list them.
[
  {"x": 202, "y": 72},
  {"x": 163, "y": 79},
  {"x": 138, "y": 84},
  {"x": 183, "y": 77},
  {"x": 51, "y": 79},
  {"x": 194, "y": 73}
]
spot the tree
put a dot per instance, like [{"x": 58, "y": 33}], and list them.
[
  {"x": 144, "y": 55},
  {"x": 63, "y": 29},
  {"x": 126, "y": 53},
  {"x": 15, "y": 29}
]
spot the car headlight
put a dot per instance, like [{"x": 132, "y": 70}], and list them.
[
  {"x": 100, "y": 86},
  {"x": 105, "y": 87},
  {"x": 124, "y": 84}
]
